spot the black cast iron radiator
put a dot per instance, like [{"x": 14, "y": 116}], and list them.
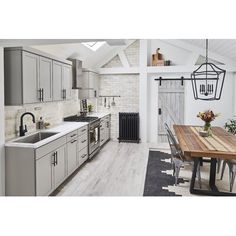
[{"x": 129, "y": 127}]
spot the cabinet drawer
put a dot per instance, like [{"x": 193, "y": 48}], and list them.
[
  {"x": 82, "y": 156},
  {"x": 72, "y": 135},
  {"x": 83, "y": 130},
  {"x": 42, "y": 151},
  {"x": 82, "y": 142}
]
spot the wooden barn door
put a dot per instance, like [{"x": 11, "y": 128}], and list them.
[{"x": 170, "y": 106}]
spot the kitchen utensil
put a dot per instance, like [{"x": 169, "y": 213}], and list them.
[{"x": 113, "y": 102}]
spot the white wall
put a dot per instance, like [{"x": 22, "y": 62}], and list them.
[
  {"x": 178, "y": 56},
  {"x": 225, "y": 105},
  {"x": 2, "y": 126}
]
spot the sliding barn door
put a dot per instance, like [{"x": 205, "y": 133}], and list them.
[{"x": 170, "y": 106}]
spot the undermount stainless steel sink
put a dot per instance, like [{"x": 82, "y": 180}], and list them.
[{"x": 34, "y": 138}]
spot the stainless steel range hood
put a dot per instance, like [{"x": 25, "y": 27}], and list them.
[{"x": 77, "y": 73}]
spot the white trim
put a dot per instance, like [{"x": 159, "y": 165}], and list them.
[
  {"x": 123, "y": 59},
  {"x": 118, "y": 70}
]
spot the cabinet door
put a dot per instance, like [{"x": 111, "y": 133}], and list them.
[
  {"x": 44, "y": 175},
  {"x": 30, "y": 66},
  {"x": 45, "y": 78},
  {"x": 93, "y": 84},
  {"x": 57, "y": 81},
  {"x": 60, "y": 166},
  {"x": 67, "y": 81},
  {"x": 71, "y": 156}
]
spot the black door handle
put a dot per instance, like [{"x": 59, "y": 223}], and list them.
[{"x": 159, "y": 111}]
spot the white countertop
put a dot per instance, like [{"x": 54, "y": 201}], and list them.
[
  {"x": 61, "y": 130},
  {"x": 99, "y": 115}
]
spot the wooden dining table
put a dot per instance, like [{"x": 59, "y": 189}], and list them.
[{"x": 220, "y": 144}]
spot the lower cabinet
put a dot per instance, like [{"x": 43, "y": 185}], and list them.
[
  {"x": 105, "y": 129},
  {"x": 72, "y": 156},
  {"x": 50, "y": 171},
  {"x": 82, "y": 156},
  {"x": 44, "y": 182}
]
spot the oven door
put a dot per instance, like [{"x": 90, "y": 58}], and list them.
[{"x": 94, "y": 137}]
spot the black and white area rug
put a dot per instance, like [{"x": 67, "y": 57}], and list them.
[{"x": 159, "y": 179}]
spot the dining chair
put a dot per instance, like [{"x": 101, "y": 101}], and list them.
[
  {"x": 177, "y": 157},
  {"x": 232, "y": 172}
]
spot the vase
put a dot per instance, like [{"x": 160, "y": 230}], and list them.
[{"x": 207, "y": 128}]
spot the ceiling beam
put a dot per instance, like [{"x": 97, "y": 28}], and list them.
[
  {"x": 113, "y": 53},
  {"x": 123, "y": 59}
]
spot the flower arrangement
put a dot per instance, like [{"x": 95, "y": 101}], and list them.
[{"x": 207, "y": 116}]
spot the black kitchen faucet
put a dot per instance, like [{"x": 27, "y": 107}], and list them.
[{"x": 24, "y": 130}]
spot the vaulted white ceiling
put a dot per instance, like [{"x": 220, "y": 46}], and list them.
[{"x": 223, "y": 47}]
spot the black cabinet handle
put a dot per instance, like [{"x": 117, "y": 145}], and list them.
[
  {"x": 54, "y": 158},
  {"x": 65, "y": 93},
  {"x": 56, "y": 161},
  {"x": 84, "y": 156},
  {"x": 84, "y": 141},
  {"x": 159, "y": 111},
  {"x": 83, "y": 130},
  {"x": 74, "y": 141},
  {"x": 42, "y": 95},
  {"x": 73, "y": 135}
]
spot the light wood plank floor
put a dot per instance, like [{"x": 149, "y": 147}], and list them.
[{"x": 118, "y": 170}]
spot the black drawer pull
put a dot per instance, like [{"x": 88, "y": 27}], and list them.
[
  {"x": 73, "y": 135},
  {"x": 84, "y": 156},
  {"x": 74, "y": 141},
  {"x": 84, "y": 141},
  {"x": 83, "y": 130}
]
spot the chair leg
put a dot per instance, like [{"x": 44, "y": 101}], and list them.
[
  {"x": 232, "y": 180},
  {"x": 218, "y": 165},
  {"x": 223, "y": 170},
  {"x": 177, "y": 169}
]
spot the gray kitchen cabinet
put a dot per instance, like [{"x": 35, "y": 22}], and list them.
[
  {"x": 62, "y": 81},
  {"x": 30, "y": 74},
  {"x": 71, "y": 156},
  {"x": 58, "y": 92},
  {"x": 67, "y": 81},
  {"x": 45, "y": 79},
  {"x": 44, "y": 175},
  {"x": 50, "y": 171},
  {"x": 105, "y": 129},
  {"x": 60, "y": 166},
  {"x": 31, "y": 77},
  {"x": 89, "y": 85}
]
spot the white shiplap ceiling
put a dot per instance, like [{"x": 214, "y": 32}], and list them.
[{"x": 223, "y": 47}]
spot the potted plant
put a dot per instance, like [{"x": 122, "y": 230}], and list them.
[
  {"x": 230, "y": 126},
  {"x": 90, "y": 108}
]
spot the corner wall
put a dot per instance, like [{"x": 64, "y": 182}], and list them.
[{"x": 2, "y": 127}]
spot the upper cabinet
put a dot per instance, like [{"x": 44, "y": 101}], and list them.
[
  {"x": 89, "y": 85},
  {"x": 32, "y": 78}
]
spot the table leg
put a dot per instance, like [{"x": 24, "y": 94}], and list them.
[{"x": 214, "y": 191}]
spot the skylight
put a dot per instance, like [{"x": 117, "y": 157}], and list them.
[{"x": 94, "y": 46}]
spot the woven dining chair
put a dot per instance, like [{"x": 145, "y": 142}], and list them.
[{"x": 177, "y": 157}]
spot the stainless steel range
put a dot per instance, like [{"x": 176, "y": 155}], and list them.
[{"x": 94, "y": 132}]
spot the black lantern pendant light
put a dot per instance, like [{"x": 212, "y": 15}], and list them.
[{"x": 207, "y": 80}]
